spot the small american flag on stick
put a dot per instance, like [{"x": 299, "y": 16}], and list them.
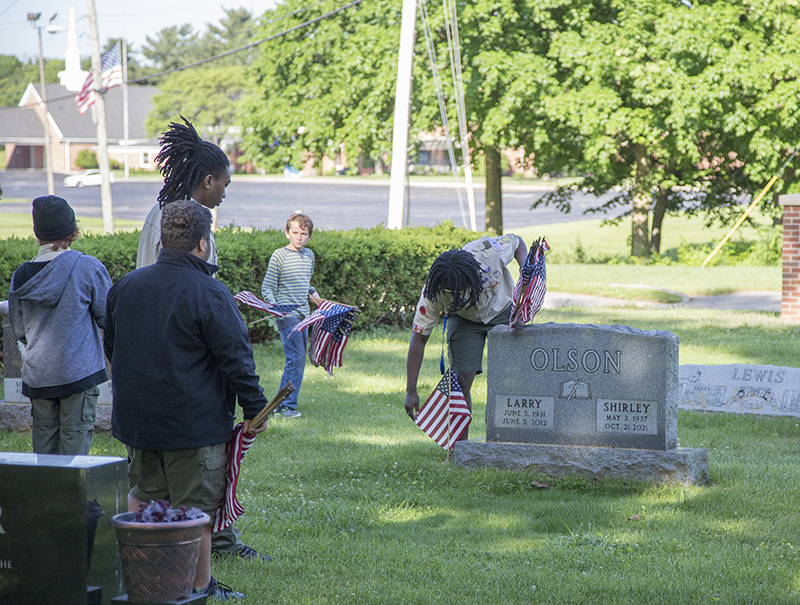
[
  {"x": 251, "y": 300},
  {"x": 445, "y": 415},
  {"x": 240, "y": 442},
  {"x": 331, "y": 325},
  {"x": 531, "y": 287}
]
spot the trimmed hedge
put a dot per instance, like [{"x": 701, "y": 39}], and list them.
[{"x": 378, "y": 270}]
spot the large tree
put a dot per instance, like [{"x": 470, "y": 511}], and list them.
[
  {"x": 16, "y": 75},
  {"x": 208, "y": 96},
  {"x": 333, "y": 83},
  {"x": 671, "y": 106},
  {"x": 172, "y": 47}
]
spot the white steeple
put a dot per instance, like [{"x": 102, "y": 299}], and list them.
[{"x": 73, "y": 76}]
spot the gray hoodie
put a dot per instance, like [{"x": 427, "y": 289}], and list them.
[{"x": 56, "y": 313}]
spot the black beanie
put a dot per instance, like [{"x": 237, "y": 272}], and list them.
[{"x": 53, "y": 218}]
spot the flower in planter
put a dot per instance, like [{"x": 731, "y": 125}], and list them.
[{"x": 159, "y": 511}]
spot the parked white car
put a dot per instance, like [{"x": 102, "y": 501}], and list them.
[{"x": 86, "y": 178}]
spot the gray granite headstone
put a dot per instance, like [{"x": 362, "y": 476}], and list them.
[
  {"x": 56, "y": 544},
  {"x": 15, "y": 409},
  {"x": 584, "y": 400},
  {"x": 568, "y": 384},
  {"x": 741, "y": 389}
]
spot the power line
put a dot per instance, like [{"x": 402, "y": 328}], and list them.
[{"x": 216, "y": 57}]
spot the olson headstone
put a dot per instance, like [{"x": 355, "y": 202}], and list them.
[{"x": 585, "y": 400}]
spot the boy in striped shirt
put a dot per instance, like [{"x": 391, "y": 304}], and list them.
[{"x": 288, "y": 282}]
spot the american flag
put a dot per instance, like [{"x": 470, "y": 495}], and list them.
[
  {"x": 445, "y": 415},
  {"x": 231, "y": 509},
  {"x": 331, "y": 325},
  {"x": 531, "y": 287},
  {"x": 251, "y": 300},
  {"x": 110, "y": 76}
]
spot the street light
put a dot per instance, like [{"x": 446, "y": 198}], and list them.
[{"x": 33, "y": 19}]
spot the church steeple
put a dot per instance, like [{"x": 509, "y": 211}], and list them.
[{"x": 73, "y": 76}]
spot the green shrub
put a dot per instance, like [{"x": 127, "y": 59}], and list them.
[
  {"x": 86, "y": 159},
  {"x": 378, "y": 270}
]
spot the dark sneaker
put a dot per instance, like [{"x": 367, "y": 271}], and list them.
[
  {"x": 220, "y": 592},
  {"x": 245, "y": 552},
  {"x": 289, "y": 413}
]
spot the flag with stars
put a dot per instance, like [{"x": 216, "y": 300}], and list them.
[
  {"x": 531, "y": 287},
  {"x": 231, "y": 508},
  {"x": 445, "y": 415},
  {"x": 110, "y": 76},
  {"x": 251, "y": 300},
  {"x": 331, "y": 324}
]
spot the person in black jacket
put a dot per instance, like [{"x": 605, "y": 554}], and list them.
[{"x": 180, "y": 357}]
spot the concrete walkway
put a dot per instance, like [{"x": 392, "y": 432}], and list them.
[{"x": 768, "y": 300}]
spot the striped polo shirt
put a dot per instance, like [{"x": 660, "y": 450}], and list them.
[{"x": 288, "y": 279}]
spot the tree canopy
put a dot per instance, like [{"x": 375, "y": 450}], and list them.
[{"x": 674, "y": 106}]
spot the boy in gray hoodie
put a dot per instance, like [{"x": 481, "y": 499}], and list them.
[{"x": 57, "y": 306}]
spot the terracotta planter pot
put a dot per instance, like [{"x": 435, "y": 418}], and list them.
[{"x": 158, "y": 559}]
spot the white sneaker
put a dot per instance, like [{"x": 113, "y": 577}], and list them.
[{"x": 289, "y": 413}]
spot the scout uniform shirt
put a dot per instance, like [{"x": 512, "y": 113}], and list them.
[{"x": 493, "y": 254}]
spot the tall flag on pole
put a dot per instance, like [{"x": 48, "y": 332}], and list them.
[
  {"x": 251, "y": 300},
  {"x": 531, "y": 287},
  {"x": 445, "y": 415},
  {"x": 331, "y": 324},
  {"x": 110, "y": 76}
]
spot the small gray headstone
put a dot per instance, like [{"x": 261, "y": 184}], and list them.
[
  {"x": 740, "y": 388},
  {"x": 570, "y": 384}
]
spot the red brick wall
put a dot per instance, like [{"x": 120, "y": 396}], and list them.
[{"x": 790, "y": 297}]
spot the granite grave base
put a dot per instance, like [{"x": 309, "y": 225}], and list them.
[
  {"x": 196, "y": 599},
  {"x": 685, "y": 466}
]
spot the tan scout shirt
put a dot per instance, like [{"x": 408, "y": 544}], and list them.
[
  {"x": 493, "y": 254},
  {"x": 150, "y": 241}
]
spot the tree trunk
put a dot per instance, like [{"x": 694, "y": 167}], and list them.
[
  {"x": 640, "y": 240},
  {"x": 658, "y": 219},
  {"x": 494, "y": 191},
  {"x": 318, "y": 162}
]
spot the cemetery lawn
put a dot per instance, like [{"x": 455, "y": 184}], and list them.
[{"x": 357, "y": 506}]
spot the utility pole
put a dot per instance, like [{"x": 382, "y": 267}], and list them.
[
  {"x": 402, "y": 112},
  {"x": 107, "y": 203},
  {"x": 48, "y": 160}
]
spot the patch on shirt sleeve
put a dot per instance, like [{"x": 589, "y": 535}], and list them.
[
  {"x": 422, "y": 310},
  {"x": 417, "y": 328}
]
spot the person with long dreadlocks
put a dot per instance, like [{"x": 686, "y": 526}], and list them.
[
  {"x": 472, "y": 288},
  {"x": 193, "y": 169}
]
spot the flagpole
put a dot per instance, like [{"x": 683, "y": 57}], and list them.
[
  {"x": 106, "y": 202},
  {"x": 125, "y": 121}
]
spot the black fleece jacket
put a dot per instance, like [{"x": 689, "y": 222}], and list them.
[{"x": 180, "y": 356}]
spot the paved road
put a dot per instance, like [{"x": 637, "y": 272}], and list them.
[{"x": 333, "y": 203}]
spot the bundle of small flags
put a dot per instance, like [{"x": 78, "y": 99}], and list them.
[
  {"x": 445, "y": 415},
  {"x": 251, "y": 300},
  {"x": 531, "y": 287},
  {"x": 330, "y": 325},
  {"x": 240, "y": 442}
]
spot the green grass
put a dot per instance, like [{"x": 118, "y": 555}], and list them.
[
  {"x": 614, "y": 240},
  {"x": 357, "y": 506},
  {"x": 655, "y": 283},
  {"x": 20, "y": 225}
]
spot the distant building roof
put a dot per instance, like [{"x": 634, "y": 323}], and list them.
[{"x": 21, "y": 124}]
